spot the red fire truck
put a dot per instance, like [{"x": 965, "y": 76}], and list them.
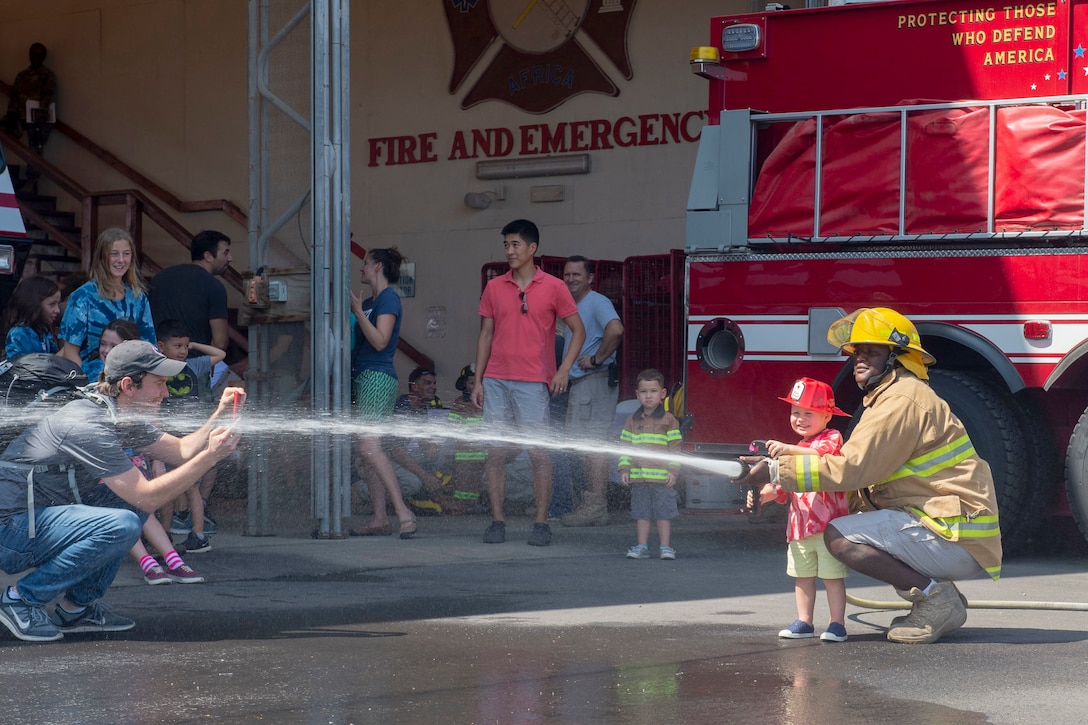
[{"x": 927, "y": 156}]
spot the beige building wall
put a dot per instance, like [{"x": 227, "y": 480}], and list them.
[
  {"x": 163, "y": 86},
  {"x": 160, "y": 84}
]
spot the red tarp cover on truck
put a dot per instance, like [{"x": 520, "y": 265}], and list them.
[{"x": 1039, "y": 174}]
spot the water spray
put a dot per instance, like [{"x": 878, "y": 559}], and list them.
[{"x": 300, "y": 424}]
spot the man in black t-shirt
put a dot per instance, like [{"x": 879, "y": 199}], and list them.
[
  {"x": 191, "y": 294},
  {"x": 76, "y": 550}
]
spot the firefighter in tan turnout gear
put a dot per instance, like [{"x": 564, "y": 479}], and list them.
[{"x": 928, "y": 510}]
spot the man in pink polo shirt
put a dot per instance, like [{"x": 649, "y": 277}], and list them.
[{"x": 515, "y": 367}]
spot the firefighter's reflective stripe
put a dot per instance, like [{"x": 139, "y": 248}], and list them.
[
  {"x": 464, "y": 419},
  {"x": 926, "y": 465},
  {"x": 466, "y": 496},
  {"x": 650, "y": 439},
  {"x": 474, "y": 422},
  {"x": 955, "y": 528},
  {"x": 643, "y": 472},
  {"x": 923, "y": 466},
  {"x": 808, "y": 473}
]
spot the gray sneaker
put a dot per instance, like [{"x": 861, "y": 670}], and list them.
[
  {"x": 94, "y": 618},
  {"x": 907, "y": 595},
  {"x": 933, "y": 616},
  {"x": 26, "y": 621}
]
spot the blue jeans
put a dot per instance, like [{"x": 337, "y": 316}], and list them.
[{"x": 77, "y": 552}]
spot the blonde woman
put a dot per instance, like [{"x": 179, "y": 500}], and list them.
[{"x": 114, "y": 291}]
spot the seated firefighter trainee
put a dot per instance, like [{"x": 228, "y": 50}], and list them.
[
  {"x": 75, "y": 550},
  {"x": 421, "y": 463},
  {"x": 470, "y": 456},
  {"x": 927, "y": 500}
]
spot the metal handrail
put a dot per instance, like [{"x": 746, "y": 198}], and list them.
[{"x": 1080, "y": 99}]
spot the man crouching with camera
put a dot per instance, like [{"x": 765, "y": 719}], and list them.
[{"x": 75, "y": 550}]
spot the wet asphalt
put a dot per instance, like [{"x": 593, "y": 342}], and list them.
[{"x": 443, "y": 628}]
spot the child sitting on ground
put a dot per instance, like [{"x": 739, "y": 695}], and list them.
[
  {"x": 653, "y": 481},
  {"x": 812, "y": 405},
  {"x": 186, "y": 408}
]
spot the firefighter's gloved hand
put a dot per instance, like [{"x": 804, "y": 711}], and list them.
[{"x": 759, "y": 473}]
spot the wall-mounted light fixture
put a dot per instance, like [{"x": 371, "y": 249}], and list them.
[
  {"x": 483, "y": 199},
  {"x": 533, "y": 166}
]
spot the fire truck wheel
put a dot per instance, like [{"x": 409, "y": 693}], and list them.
[
  {"x": 993, "y": 422},
  {"x": 1045, "y": 474},
  {"x": 1076, "y": 473}
]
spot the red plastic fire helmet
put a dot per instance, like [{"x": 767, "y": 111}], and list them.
[{"x": 814, "y": 395}]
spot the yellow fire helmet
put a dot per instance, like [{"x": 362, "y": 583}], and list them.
[{"x": 882, "y": 326}]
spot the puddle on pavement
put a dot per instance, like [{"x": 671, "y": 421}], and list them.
[{"x": 458, "y": 671}]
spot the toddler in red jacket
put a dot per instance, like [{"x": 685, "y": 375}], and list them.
[{"x": 812, "y": 403}]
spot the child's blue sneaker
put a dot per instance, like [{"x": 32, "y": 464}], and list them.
[
  {"x": 798, "y": 630},
  {"x": 639, "y": 551},
  {"x": 835, "y": 633},
  {"x": 668, "y": 553}
]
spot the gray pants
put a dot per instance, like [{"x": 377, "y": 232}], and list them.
[{"x": 905, "y": 538}]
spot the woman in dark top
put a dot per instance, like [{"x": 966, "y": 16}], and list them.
[{"x": 376, "y": 329}]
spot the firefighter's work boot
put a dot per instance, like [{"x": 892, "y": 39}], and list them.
[
  {"x": 906, "y": 595},
  {"x": 933, "y": 616},
  {"x": 593, "y": 511}
]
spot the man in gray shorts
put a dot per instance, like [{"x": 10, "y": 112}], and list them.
[
  {"x": 516, "y": 370},
  {"x": 931, "y": 516},
  {"x": 591, "y": 409}
]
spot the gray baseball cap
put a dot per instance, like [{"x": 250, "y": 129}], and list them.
[{"x": 133, "y": 357}]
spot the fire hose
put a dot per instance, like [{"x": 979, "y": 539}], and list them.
[
  {"x": 977, "y": 604},
  {"x": 736, "y": 469}
]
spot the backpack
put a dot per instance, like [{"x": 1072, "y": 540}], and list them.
[
  {"x": 31, "y": 387},
  {"x": 37, "y": 378}
]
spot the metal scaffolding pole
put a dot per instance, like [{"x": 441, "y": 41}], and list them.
[
  {"x": 327, "y": 198},
  {"x": 331, "y": 189}
]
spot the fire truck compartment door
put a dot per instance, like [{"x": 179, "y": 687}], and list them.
[{"x": 718, "y": 198}]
